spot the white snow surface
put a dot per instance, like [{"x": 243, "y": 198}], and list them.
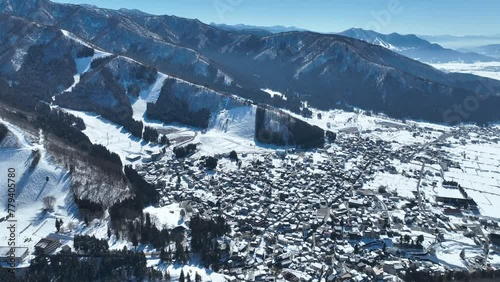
[
  {"x": 150, "y": 95},
  {"x": 31, "y": 188},
  {"x": 479, "y": 174},
  {"x": 82, "y": 64},
  {"x": 273, "y": 93},
  {"x": 229, "y": 130},
  {"x": 113, "y": 136},
  {"x": 166, "y": 216},
  {"x": 485, "y": 69}
]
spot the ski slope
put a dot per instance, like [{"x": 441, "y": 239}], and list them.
[
  {"x": 33, "y": 224},
  {"x": 82, "y": 64},
  {"x": 150, "y": 95},
  {"x": 113, "y": 136}
]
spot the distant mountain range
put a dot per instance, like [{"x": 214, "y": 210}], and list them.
[
  {"x": 257, "y": 30},
  {"x": 466, "y": 42},
  {"x": 492, "y": 50},
  {"x": 410, "y": 45},
  {"x": 415, "y": 47},
  {"x": 459, "y": 38},
  {"x": 40, "y": 41}
]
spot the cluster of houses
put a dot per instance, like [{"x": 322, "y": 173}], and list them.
[{"x": 308, "y": 213}]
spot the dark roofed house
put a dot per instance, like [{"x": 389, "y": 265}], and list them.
[
  {"x": 133, "y": 158},
  {"x": 48, "y": 244},
  {"x": 13, "y": 254},
  {"x": 495, "y": 238},
  {"x": 66, "y": 249}
]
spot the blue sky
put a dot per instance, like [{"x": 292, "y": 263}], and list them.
[{"x": 429, "y": 17}]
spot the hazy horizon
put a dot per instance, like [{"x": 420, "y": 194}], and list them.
[{"x": 447, "y": 17}]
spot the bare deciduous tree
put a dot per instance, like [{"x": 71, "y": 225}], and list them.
[{"x": 48, "y": 203}]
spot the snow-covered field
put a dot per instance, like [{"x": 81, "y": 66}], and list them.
[
  {"x": 374, "y": 126},
  {"x": 168, "y": 216},
  {"x": 229, "y": 130},
  {"x": 485, "y": 69},
  {"x": 479, "y": 174},
  {"x": 175, "y": 272}
]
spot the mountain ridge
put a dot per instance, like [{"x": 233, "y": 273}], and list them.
[
  {"x": 415, "y": 47},
  {"x": 89, "y": 80},
  {"x": 324, "y": 70},
  {"x": 256, "y": 30}
]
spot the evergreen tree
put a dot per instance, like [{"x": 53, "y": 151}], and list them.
[
  {"x": 182, "y": 214},
  {"x": 420, "y": 239},
  {"x": 135, "y": 242},
  {"x": 150, "y": 134},
  {"x": 197, "y": 277},
  {"x": 155, "y": 237},
  {"x": 167, "y": 276},
  {"x": 216, "y": 256},
  {"x": 148, "y": 221},
  {"x": 3, "y": 131},
  {"x": 181, "y": 277},
  {"x": 163, "y": 255},
  {"x": 211, "y": 163},
  {"x": 168, "y": 255},
  {"x": 233, "y": 156},
  {"x": 164, "y": 140},
  {"x": 186, "y": 255},
  {"x": 407, "y": 238}
]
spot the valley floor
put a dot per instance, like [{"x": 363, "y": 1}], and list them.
[
  {"x": 485, "y": 69},
  {"x": 359, "y": 192}
]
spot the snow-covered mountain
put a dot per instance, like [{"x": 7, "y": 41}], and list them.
[
  {"x": 256, "y": 30},
  {"x": 464, "y": 42},
  {"x": 492, "y": 50},
  {"x": 326, "y": 71},
  {"x": 120, "y": 89},
  {"x": 415, "y": 47}
]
